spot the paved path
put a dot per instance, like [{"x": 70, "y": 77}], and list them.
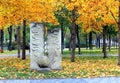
[
  {"x": 69, "y": 80},
  {"x": 10, "y": 55}
]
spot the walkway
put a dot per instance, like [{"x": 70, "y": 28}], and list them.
[
  {"x": 69, "y": 80},
  {"x": 10, "y": 55}
]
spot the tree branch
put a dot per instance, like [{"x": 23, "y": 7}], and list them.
[{"x": 112, "y": 14}]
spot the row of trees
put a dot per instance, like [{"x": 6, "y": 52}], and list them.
[
  {"x": 91, "y": 15},
  {"x": 88, "y": 40}
]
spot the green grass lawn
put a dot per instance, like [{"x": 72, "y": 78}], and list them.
[
  {"x": 84, "y": 66},
  {"x": 94, "y": 51},
  {"x": 83, "y": 51},
  {"x": 10, "y": 52}
]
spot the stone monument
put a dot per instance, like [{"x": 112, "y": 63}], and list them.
[
  {"x": 40, "y": 58},
  {"x": 37, "y": 57},
  {"x": 54, "y": 48}
]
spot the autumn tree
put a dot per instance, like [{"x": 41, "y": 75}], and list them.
[
  {"x": 107, "y": 17},
  {"x": 80, "y": 12},
  {"x": 16, "y": 12},
  {"x": 98, "y": 17},
  {"x": 74, "y": 8}
]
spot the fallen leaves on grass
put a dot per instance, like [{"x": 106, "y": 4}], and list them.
[{"x": 12, "y": 68}]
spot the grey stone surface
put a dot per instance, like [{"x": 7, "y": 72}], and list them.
[
  {"x": 37, "y": 46},
  {"x": 54, "y": 48},
  {"x": 47, "y": 53},
  {"x": 14, "y": 81},
  {"x": 68, "y": 80}
]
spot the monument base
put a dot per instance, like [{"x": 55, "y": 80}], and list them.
[{"x": 44, "y": 69}]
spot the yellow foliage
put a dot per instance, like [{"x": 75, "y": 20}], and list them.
[
  {"x": 87, "y": 11},
  {"x": 94, "y": 13},
  {"x": 15, "y": 11},
  {"x": 82, "y": 67}
]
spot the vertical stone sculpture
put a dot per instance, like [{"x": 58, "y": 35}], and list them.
[
  {"x": 37, "y": 57},
  {"x": 54, "y": 48}
]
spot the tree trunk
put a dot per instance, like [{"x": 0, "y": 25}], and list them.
[
  {"x": 116, "y": 41},
  {"x": 18, "y": 40},
  {"x": 104, "y": 42},
  {"x": 73, "y": 44},
  {"x": 2, "y": 39},
  {"x": 119, "y": 35},
  {"x": 86, "y": 39},
  {"x": 78, "y": 39},
  {"x": 73, "y": 35},
  {"x": 15, "y": 35},
  {"x": 99, "y": 42},
  {"x": 70, "y": 43},
  {"x": 90, "y": 41},
  {"x": 70, "y": 40},
  {"x": 109, "y": 47},
  {"x": 10, "y": 38},
  {"x": 24, "y": 40},
  {"x": 62, "y": 33},
  {"x": 96, "y": 44}
]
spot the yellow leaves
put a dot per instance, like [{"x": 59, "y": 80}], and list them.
[
  {"x": 32, "y": 10},
  {"x": 84, "y": 66},
  {"x": 43, "y": 11},
  {"x": 88, "y": 68},
  {"x": 95, "y": 13},
  {"x": 15, "y": 63},
  {"x": 74, "y": 4},
  {"x": 70, "y": 6}
]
